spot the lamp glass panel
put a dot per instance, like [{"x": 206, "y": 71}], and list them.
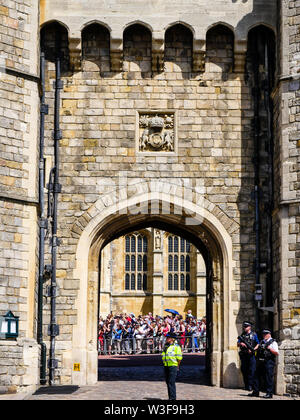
[
  {"x": 13, "y": 327},
  {"x": 4, "y": 327}
]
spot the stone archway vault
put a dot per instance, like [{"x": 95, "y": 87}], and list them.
[{"x": 108, "y": 216}]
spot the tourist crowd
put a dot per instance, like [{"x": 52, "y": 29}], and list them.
[{"x": 127, "y": 334}]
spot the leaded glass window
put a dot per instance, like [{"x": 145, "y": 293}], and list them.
[
  {"x": 179, "y": 263},
  {"x": 136, "y": 264}
]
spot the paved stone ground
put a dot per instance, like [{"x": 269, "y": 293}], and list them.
[{"x": 142, "y": 379}]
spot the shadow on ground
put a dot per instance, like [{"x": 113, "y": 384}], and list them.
[
  {"x": 57, "y": 390},
  {"x": 149, "y": 368}
]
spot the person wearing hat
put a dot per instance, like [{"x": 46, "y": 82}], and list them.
[
  {"x": 171, "y": 357},
  {"x": 247, "y": 356},
  {"x": 266, "y": 358}
]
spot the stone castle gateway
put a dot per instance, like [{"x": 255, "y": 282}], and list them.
[{"x": 119, "y": 117}]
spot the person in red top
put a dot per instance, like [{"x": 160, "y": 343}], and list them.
[
  {"x": 166, "y": 328},
  {"x": 181, "y": 334},
  {"x": 101, "y": 339}
]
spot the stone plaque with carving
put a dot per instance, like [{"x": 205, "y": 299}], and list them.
[{"x": 156, "y": 131}]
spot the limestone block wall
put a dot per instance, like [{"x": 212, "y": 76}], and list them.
[
  {"x": 98, "y": 151},
  {"x": 19, "y": 104},
  {"x": 18, "y": 187},
  {"x": 201, "y": 82},
  {"x": 287, "y": 195},
  {"x": 194, "y": 72}
]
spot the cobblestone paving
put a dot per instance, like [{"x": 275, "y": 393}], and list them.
[
  {"x": 144, "y": 383},
  {"x": 141, "y": 379}
]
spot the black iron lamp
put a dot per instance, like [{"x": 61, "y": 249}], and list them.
[{"x": 9, "y": 326}]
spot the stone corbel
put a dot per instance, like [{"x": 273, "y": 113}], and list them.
[
  {"x": 75, "y": 53},
  {"x": 116, "y": 55},
  {"x": 199, "y": 51},
  {"x": 240, "y": 52},
  {"x": 158, "y": 49}
]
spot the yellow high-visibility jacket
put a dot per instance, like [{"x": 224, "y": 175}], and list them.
[{"x": 172, "y": 355}]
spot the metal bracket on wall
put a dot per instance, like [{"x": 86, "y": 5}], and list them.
[
  {"x": 267, "y": 308},
  {"x": 53, "y": 330}
]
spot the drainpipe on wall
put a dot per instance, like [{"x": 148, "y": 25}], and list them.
[
  {"x": 55, "y": 189},
  {"x": 256, "y": 161},
  {"x": 270, "y": 206},
  {"x": 42, "y": 224}
]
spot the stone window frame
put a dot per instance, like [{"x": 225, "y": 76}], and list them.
[
  {"x": 136, "y": 262},
  {"x": 177, "y": 267},
  {"x": 137, "y": 132}
]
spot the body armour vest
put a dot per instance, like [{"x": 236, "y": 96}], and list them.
[
  {"x": 250, "y": 338},
  {"x": 263, "y": 353}
]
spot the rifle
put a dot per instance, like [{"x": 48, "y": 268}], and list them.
[{"x": 247, "y": 344}]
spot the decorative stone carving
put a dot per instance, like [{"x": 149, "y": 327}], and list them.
[
  {"x": 157, "y": 239},
  {"x": 216, "y": 290},
  {"x": 156, "y": 132}
]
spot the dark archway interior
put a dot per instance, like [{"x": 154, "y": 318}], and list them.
[{"x": 186, "y": 232}]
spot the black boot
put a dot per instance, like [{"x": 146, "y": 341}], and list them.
[
  {"x": 268, "y": 395},
  {"x": 253, "y": 394}
]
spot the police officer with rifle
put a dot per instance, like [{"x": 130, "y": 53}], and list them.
[
  {"x": 265, "y": 364},
  {"x": 248, "y": 343}
]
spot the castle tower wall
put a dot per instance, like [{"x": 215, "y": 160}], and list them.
[{"x": 19, "y": 127}]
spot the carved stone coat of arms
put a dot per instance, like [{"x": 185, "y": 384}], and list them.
[{"x": 156, "y": 132}]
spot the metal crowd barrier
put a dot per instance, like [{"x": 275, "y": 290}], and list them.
[{"x": 149, "y": 345}]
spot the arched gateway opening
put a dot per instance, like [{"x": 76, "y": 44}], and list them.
[
  {"x": 197, "y": 220},
  {"x": 142, "y": 274}
]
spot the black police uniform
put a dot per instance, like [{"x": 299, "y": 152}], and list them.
[
  {"x": 265, "y": 365},
  {"x": 248, "y": 361}
]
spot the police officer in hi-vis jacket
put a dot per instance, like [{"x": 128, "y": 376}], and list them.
[{"x": 171, "y": 357}]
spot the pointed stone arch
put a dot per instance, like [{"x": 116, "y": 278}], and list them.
[{"x": 130, "y": 208}]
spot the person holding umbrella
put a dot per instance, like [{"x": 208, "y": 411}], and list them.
[
  {"x": 171, "y": 357},
  {"x": 172, "y": 311}
]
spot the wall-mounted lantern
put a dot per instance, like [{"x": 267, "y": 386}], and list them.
[
  {"x": 9, "y": 326},
  {"x": 258, "y": 295}
]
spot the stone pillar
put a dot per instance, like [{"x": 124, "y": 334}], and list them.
[
  {"x": 75, "y": 52},
  {"x": 200, "y": 286},
  {"x": 158, "y": 284},
  {"x": 240, "y": 51},
  {"x": 199, "y": 50},
  {"x": 158, "y": 50},
  {"x": 116, "y": 54},
  {"x": 287, "y": 216}
]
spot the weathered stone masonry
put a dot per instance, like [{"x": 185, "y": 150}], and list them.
[
  {"x": 99, "y": 117},
  {"x": 187, "y": 62},
  {"x": 286, "y": 214},
  {"x": 18, "y": 187}
]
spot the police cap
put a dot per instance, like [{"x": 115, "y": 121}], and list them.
[
  {"x": 247, "y": 324},
  {"x": 171, "y": 335},
  {"x": 266, "y": 331}
]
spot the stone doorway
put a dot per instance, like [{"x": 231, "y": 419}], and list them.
[{"x": 109, "y": 219}]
